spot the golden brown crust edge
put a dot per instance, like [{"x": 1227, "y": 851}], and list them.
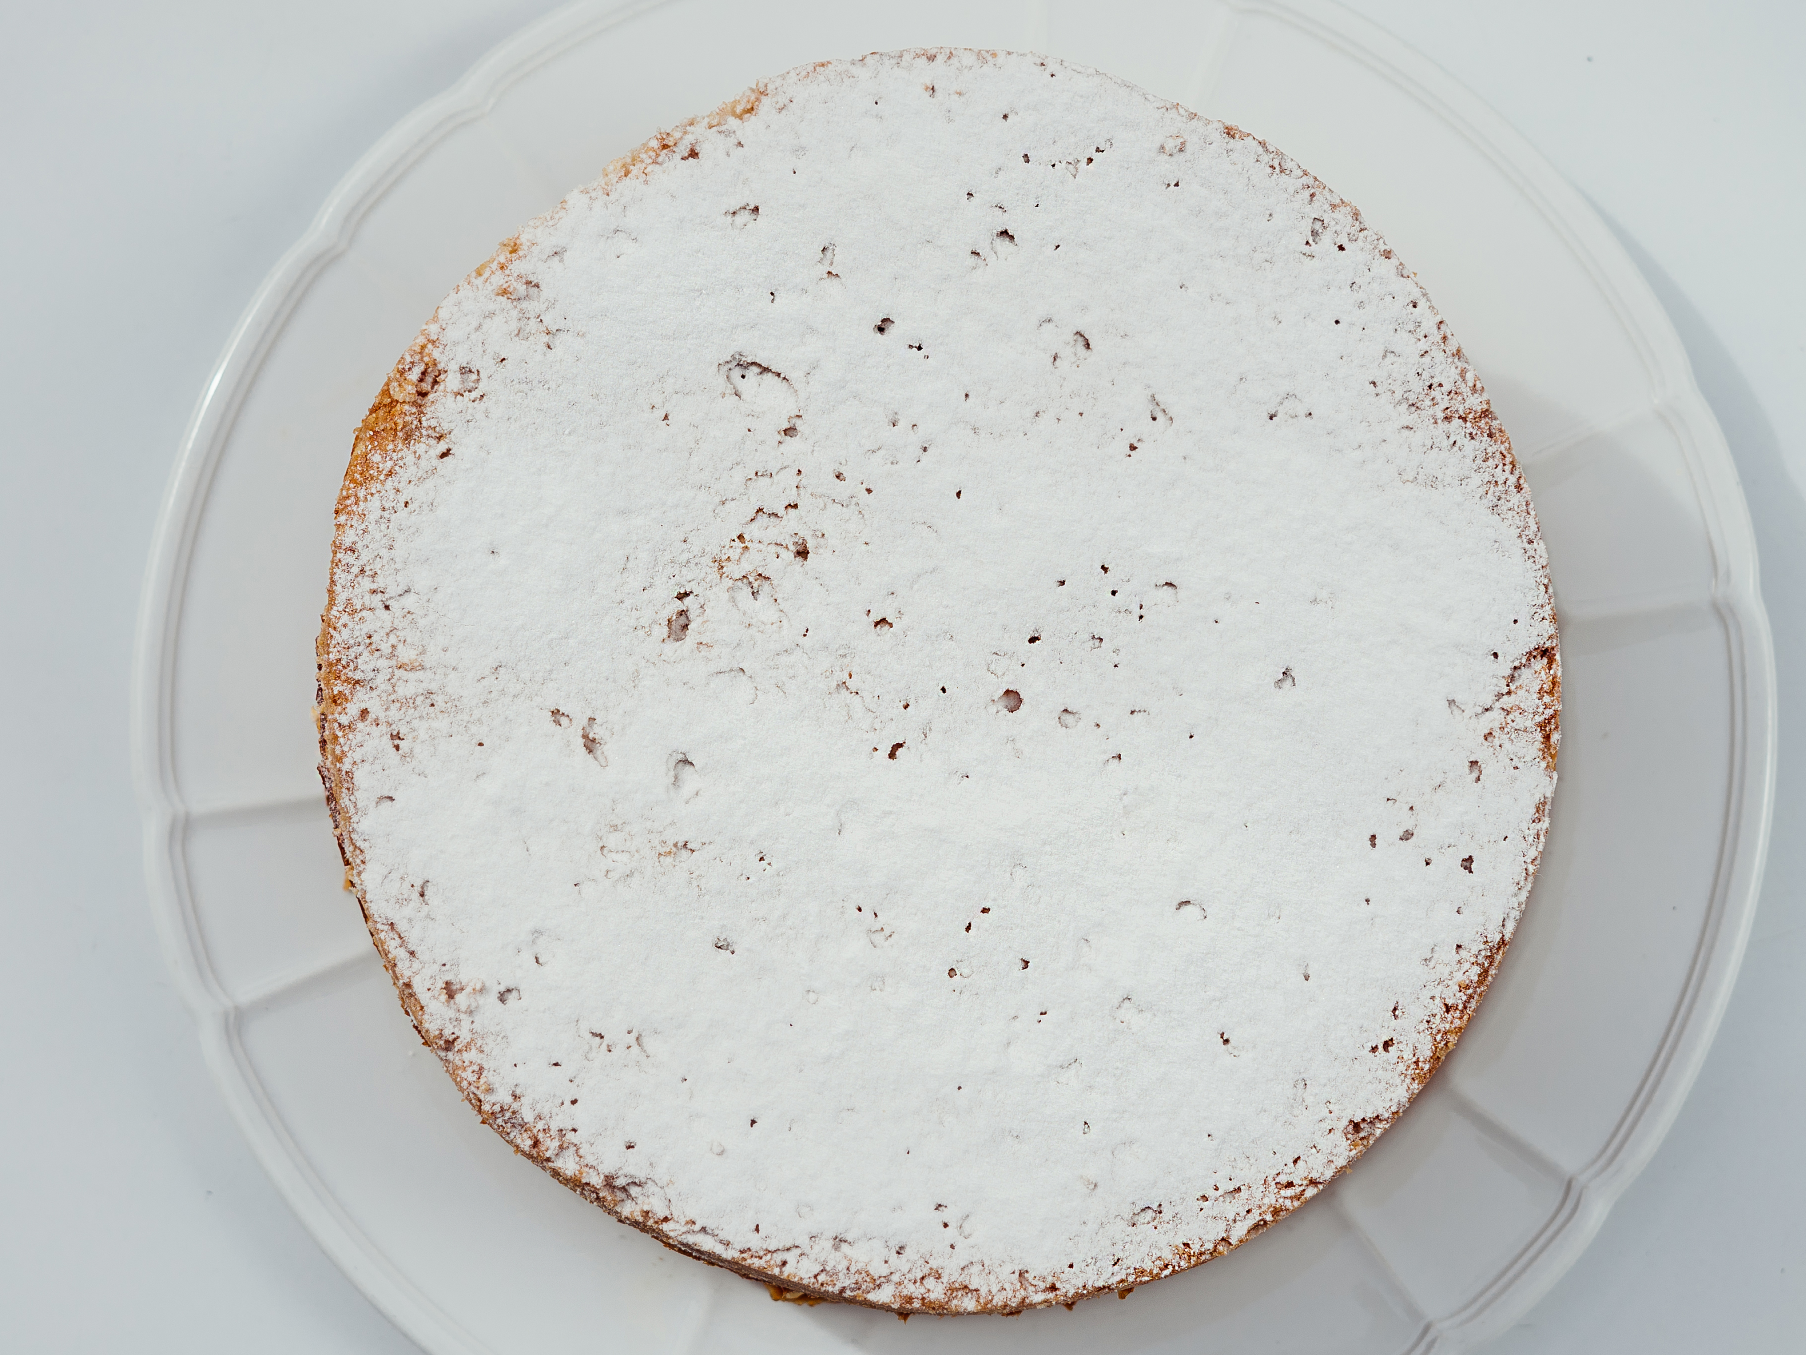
[{"x": 396, "y": 423}]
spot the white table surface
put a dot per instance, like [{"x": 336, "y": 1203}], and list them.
[{"x": 156, "y": 164}]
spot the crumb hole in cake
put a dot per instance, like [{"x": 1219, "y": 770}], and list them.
[
  {"x": 883, "y": 326},
  {"x": 1285, "y": 679},
  {"x": 1069, "y": 719},
  {"x": 507, "y": 995},
  {"x": 1010, "y": 702},
  {"x": 722, "y": 943},
  {"x": 1407, "y": 835},
  {"x": 1467, "y": 864},
  {"x": 1473, "y": 769},
  {"x": 677, "y": 625},
  {"x": 592, "y": 744},
  {"x": 560, "y": 719},
  {"x": 882, "y": 623},
  {"x": 895, "y": 748}
]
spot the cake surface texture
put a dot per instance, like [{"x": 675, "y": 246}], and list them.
[{"x": 943, "y": 689}]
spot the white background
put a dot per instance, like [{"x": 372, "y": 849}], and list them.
[{"x": 155, "y": 164}]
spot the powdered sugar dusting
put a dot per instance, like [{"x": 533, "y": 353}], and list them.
[{"x": 943, "y": 689}]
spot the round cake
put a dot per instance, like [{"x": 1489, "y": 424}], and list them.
[{"x": 942, "y": 689}]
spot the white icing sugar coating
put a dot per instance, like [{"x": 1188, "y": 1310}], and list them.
[{"x": 943, "y": 689}]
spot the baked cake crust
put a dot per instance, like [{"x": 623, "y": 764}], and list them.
[{"x": 375, "y": 673}]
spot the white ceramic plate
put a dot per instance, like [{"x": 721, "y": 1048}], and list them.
[{"x": 1464, "y": 1212}]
